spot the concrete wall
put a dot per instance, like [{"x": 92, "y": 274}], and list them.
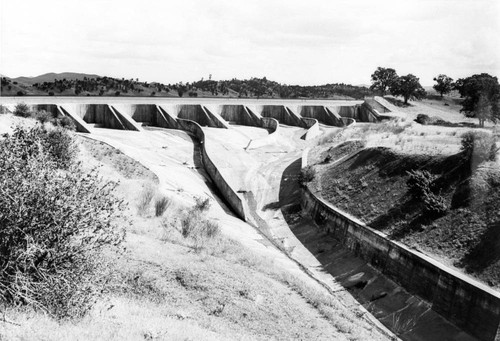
[
  {"x": 126, "y": 120},
  {"x": 199, "y": 114},
  {"x": 321, "y": 114},
  {"x": 377, "y": 103},
  {"x": 239, "y": 114},
  {"x": 80, "y": 124},
  {"x": 360, "y": 113},
  {"x": 283, "y": 114},
  {"x": 270, "y": 123},
  {"x": 313, "y": 130},
  {"x": 100, "y": 114},
  {"x": 165, "y": 118},
  {"x": 348, "y": 121},
  {"x": 227, "y": 191},
  {"x": 143, "y": 113},
  {"x": 467, "y": 303}
]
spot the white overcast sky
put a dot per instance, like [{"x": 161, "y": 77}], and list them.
[{"x": 294, "y": 42}]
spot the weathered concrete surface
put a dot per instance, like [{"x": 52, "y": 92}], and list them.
[
  {"x": 377, "y": 103},
  {"x": 80, "y": 124},
  {"x": 239, "y": 114},
  {"x": 228, "y": 191},
  {"x": 126, "y": 120},
  {"x": 57, "y": 110},
  {"x": 313, "y": 130},
  {"x": 101, "y": 115},
  {"x": 322, "y": 114},
  {"x": 283, "y": 115},
  {"x": 167, "y": 152},
  {"x": 462, "y": 300}
]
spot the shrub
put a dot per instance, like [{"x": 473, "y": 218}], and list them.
[
  {"x": 422, "y": 119},
  {"x": 20, "y": 93},
  {"x": 161, "y": 205},
  {"x": 54, "y": 224},
  {"x": 65, "y": 122},
  {"x": 201, "y": 204},
  {"x": 42, "y": 116},
  {"x": 60, "y": 146},
  {"x": 478, "y": 146},
  {"x": 145, "y": 197},
  {"x": 421, "y": 186},
  {"x": 307, "y": 174},
  {"x": 22, "y": 110},
  {"x": 434, "y": 204},
  {"x": 193, "y": 225},
  {"x": 51, "y": 93},
  {"x": 419, "y": 183}
]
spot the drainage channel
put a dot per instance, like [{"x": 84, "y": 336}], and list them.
[{"x": 408, "y": 316}]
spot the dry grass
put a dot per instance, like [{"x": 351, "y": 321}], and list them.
[
  {"x": 161, "y": 205},
  {"x": 145, "y": 198}
]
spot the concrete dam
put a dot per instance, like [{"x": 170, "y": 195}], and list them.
[
  {"x": 252, "y": 150},
  {"x": 166, "y": 113}
]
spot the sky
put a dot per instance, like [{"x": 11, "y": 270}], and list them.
[{"x": 306, "y": 42}]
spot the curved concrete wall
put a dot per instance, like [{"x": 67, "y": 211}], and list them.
[
  {"x": 227, "y": 191},
  {"x": 467, "y": 303},
  {"x": 348, "y": 121},
  {"x": 313, "y": 130},
  {"x": 271, "y": 124}
]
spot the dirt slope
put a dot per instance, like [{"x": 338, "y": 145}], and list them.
[{"x": 372, "y": 186}]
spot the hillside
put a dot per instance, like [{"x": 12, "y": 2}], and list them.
[
  {"x": 50, "y": 77},
  {"x": 373, "y": 186},
  {"x": 79, "y": 84}
]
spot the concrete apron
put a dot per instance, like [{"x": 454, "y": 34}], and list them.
[
  {"x": 166, "y": 152},
  {"x": 257, "y": 175}
]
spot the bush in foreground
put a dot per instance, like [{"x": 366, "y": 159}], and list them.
[{"x": 55, "y": 222}]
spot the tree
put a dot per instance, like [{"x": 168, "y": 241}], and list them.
[
  {"x": 409, "y": 87},
  {"x": 382, "y": 79},
  {"x": 483, "y": 110},
  {"x": 444, "y": 84},
  {"x": 472, "y": 88}
]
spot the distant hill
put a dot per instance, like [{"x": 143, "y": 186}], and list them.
[
  {"x": 81, "y": 84},
  {"x": 51, "y": 76}
]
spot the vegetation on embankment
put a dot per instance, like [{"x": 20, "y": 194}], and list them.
[{"x": 446, "y": 205}]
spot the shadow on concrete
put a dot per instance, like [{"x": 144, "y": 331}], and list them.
[{"x": 406, "y": 315}]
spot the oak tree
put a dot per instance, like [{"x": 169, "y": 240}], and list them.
[
  {"x": 444, "y": 84},
  {"x": 409, "y": 87},
  {"x": 382, "y": 79},
  {"x": 481, "y": 94}
]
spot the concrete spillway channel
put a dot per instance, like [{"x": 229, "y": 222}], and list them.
[{"x": 247, "y": 148}]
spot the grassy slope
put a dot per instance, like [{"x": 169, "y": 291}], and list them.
[
  {"x": 372, "y": 186},
  {"x": 166, "y": 286}
]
